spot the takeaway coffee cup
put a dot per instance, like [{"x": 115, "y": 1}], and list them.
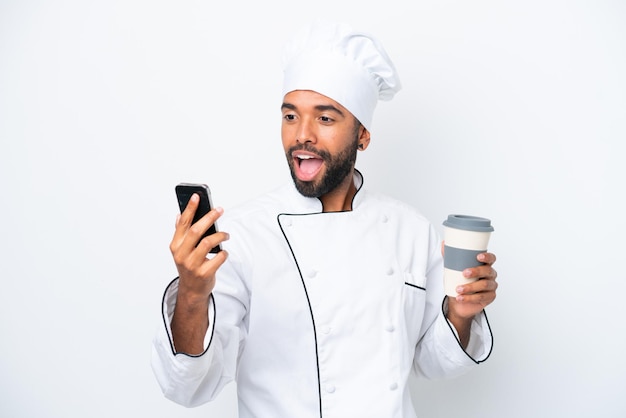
[{"x": 465, "y": 237}]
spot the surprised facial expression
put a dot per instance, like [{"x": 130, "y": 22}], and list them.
[{"x": 320, "y": 138}]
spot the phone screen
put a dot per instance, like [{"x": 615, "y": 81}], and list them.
[{"x": 184, "y": 191}]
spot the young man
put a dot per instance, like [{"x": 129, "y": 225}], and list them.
[{"x": 326, "y": 295}]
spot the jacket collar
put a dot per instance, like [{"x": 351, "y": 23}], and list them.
[{"x": 300, "y": 204}]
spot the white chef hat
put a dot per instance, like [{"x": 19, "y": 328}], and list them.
[{"x": 350, "y": 67}]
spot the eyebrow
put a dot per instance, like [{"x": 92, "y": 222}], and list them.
[{"x": 319, "y": 108}]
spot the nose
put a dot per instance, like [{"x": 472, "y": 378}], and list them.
[{"x": 305, "y": 133}]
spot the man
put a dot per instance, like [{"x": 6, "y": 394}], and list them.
[{"x": 326, "y": 295}]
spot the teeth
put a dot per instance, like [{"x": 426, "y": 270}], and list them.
[{"x": 305, "y": 157}]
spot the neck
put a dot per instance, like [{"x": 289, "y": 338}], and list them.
[{"x": 340, "y": 198}]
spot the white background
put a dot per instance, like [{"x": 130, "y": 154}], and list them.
[{"x": 511, "y": 110}]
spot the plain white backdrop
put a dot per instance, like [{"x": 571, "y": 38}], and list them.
[{"x": 511, "y": 110}]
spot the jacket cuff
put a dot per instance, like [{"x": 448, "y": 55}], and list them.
[
  {"x": 481, "y": 338},
  {"x": 167, "y": 308}
]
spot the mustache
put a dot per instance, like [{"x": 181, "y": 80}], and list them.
[{"x": 325, "y": 155}]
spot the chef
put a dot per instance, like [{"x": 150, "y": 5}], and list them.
[{"x": 326, "y": 295}]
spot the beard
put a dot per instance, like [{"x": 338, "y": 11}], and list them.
[{"x": 337, "y": 168}]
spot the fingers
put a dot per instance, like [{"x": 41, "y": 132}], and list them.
[
  {"x": 196, "y": 231},
  {"x": 191, "y": 259},
  {"x": 487, "y": 258},
  {"x": 209, "y": 267},
  {"x": 485, "y": 271},
  {"x": 183, "y": 221},
  {"x": 187, "y": 235},
  {"x": 481, "y": 285},
  {"x": 195, "y": 270},
  {"x": 483, "y": 290},
  {"x": 481, "y": 272}
]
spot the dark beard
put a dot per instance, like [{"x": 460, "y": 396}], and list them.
[{"x": 337, "y": 169}]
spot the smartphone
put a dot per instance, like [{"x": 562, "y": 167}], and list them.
[{"x": 184, "y": 191}]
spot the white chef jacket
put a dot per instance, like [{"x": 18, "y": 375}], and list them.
[{"x": 321, "y": 314}]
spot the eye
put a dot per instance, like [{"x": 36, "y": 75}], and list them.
[
  {"x": 326, "y": 119},
  {"x": 289, "y": 116}
]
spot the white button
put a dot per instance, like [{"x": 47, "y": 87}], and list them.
[
  {"x": 326, "y": 330},
  {"x": 393, "y": 386},
  {"x": 390, "y": 328},
  {"x": 390, "y": 271},
  {"x": 312, "y": 273},
  {"x": 385, "y": 219},
  {"x": 329, "y": 388}
]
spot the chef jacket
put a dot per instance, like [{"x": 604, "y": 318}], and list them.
[{"x": 320, "y": 314}]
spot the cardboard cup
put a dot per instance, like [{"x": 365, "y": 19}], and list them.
[{"x": 465, "y": 237}]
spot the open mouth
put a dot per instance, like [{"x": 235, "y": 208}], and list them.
[{"x": 306, "y": 165}]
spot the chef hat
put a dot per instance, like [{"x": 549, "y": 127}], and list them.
[{"x": 349, "y": 67}]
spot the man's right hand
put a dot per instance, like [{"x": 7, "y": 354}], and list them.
[{"x": 196, "y": 274}]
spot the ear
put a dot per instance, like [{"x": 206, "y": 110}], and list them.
[{"x": 364, "y": 138}]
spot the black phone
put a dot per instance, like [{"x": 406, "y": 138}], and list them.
[{"x": 184, "y": 191}]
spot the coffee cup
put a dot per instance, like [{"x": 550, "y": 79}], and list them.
[{"x": 465, "y": 237}]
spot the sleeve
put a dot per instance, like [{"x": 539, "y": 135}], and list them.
[
  {"x": 194, "y": 380},
  {"x": 439, "y": 353}
]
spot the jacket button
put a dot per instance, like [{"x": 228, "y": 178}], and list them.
[
  {"x": 390, "y": 328},
  {"x": 393, "y": 386},
  {"x": 389, "y": 271},
  {"x": 329, "y": 388},
  {"x": 312, "y": 273}
]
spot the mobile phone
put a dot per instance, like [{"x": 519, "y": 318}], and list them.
[{"x": 184, "y": 191}]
